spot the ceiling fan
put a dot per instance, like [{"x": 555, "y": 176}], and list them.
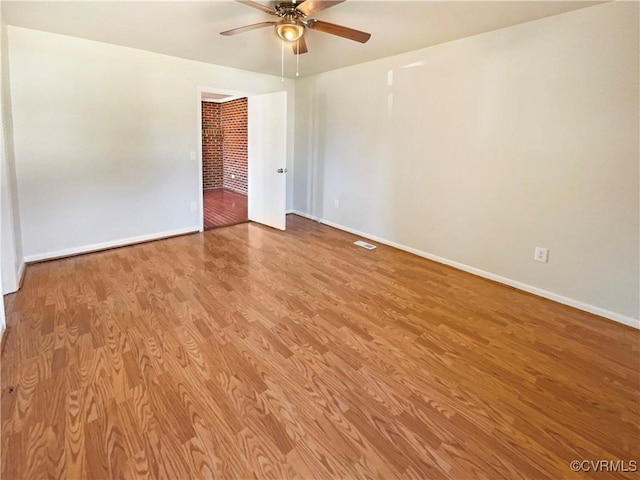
[{"x": 294, "y": 18}]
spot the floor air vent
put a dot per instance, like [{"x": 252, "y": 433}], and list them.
[{"x": 366, "y": 245}]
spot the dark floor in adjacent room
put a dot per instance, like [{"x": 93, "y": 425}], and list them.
[{"x": 224, "y": 207}]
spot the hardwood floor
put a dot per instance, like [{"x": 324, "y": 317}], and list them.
[
  {"x": 224, "y": 207},
  {"x": 248, "y": 352}
]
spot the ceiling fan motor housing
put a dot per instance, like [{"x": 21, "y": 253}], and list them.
[{"x": 295, "y": 19}]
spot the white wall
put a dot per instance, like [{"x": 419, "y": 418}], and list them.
[
  {"x": 10, "y": 238},
  {"x": 3, "y": 321},
  {"x": 102, "y": 137},
  {"x": 478, "y": 150}
]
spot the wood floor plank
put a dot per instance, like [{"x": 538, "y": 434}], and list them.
[
  {"x": 247, "y": 352},
  {"x": 224, "y": 207}
]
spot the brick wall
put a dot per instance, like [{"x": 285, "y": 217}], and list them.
[
  {"x": 233, "y": 117},
  {"x": 212, "y": 147}
]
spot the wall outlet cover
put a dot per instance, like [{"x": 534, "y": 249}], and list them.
[{"x": 541, "y": 254}]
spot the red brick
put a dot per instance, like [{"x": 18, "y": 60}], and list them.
[{"x": 224, "y": 145}]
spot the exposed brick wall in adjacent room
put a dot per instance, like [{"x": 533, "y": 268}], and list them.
[
  {"x": 233, "y": 116},
  {"x": 212, "y": 139}
]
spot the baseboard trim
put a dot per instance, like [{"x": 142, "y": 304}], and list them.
[
  {"x": 17, "y": 283},
  {"x": 631, "y": 322},
  {"x": 3, "y": 337},
  {"x": 96, "y": 247},
  {"x": 311, "y": 217},
  {"x": 21, "y": 270},
  {"x": 239, "y": 192}
]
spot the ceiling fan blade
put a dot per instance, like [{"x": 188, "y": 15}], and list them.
[
  {"x": 311, "y": 7},
  {"x": 300, "y": 46},
  {"x": 339, "y": 30},
  {"x": 259, "y": 6},
  {"x": 246, "y": 28}
]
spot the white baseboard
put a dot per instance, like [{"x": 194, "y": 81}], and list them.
[
  {"x": 631, "y": 322},
  {"x": 310, "y": 217},
  {"x": 14, "y": 285},
  {"x": 107, "y": 245},
  {"x": 21, "y": 273}
]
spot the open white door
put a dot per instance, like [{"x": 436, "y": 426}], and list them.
[{"x": 267, "y": 152}]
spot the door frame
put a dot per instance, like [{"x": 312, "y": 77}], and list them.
[
  {"x": 240, "y": 94},
  {"x": 222, "y": 91}
]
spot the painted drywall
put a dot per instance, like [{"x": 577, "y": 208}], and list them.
[
  {"x": 103, "y": 136},
  {"x": 3, "y": 322},
  {"x": 479, "y": 150},
  {"x": 10, "y": 237}
]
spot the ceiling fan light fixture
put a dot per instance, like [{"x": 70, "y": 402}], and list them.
[{"x": 289, "y": 31}]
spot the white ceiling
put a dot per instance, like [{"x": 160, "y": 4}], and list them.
[{"x": 191, "y": 29}]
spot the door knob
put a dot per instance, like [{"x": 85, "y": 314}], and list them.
[{"x": 282, "y": 170}]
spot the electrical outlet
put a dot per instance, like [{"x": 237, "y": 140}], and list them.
[
  {"x": 233, "y": 175},
  {"x": 194, "y": 206},
  {"x": 336, "y": 203},
  {"x": 193, "y": 155},
  {"x": 541, "y": 254}
]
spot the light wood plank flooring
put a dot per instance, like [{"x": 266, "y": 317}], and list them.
[
  {"x": 246, "y": 352},
  {"x": 224, "y": 207}
]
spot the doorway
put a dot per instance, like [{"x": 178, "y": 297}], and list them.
[
  {"x": 260, "y": 180},
  {"x": 224, "y": 160}
]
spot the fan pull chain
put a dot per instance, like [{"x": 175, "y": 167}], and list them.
[
  {"x": 297, "y": 58},
  {"x": 282, "y": 64}
]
